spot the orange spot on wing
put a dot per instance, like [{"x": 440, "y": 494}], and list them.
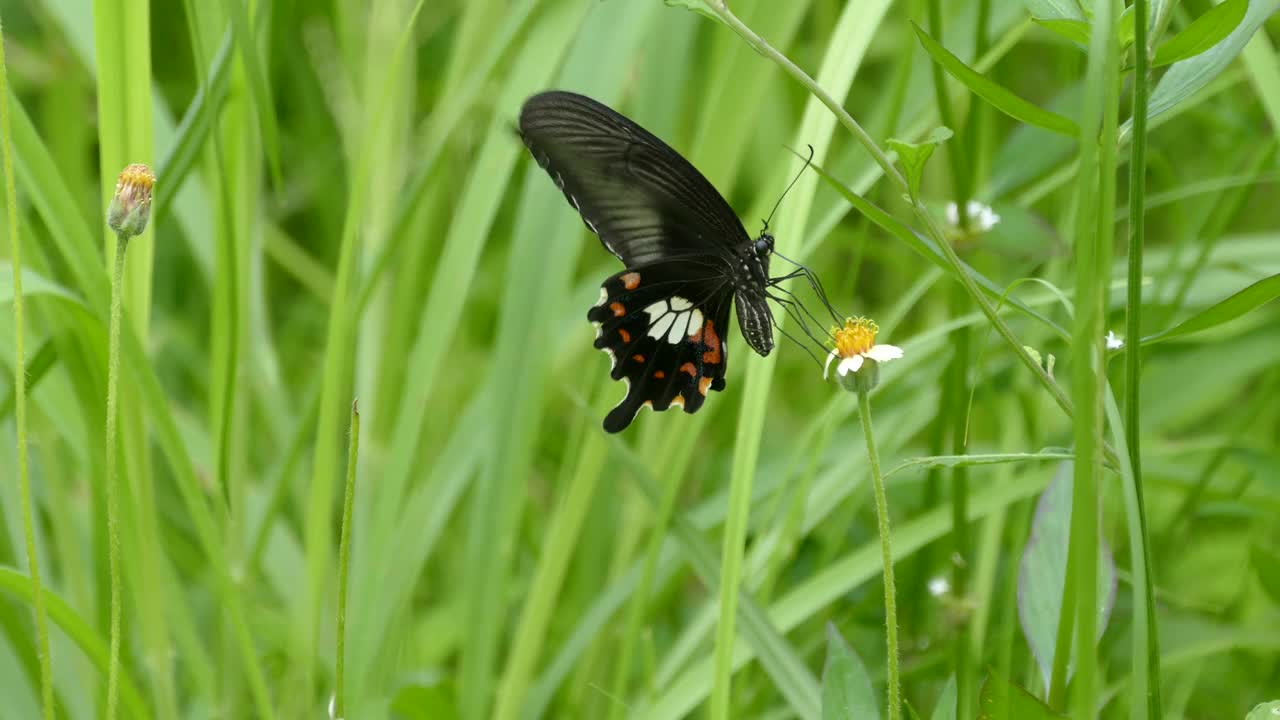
[
  {"x": 631, "y": 280},
  {"x": 618, "y": 309},
  {"x": 689, "y": 368},
  {"x": 703, "y": 384},
  {"x": 712, "y": 356},
  {"x": 626, "y": 336},
  {"x": 638, "y": 357},
  {"x": 658, "y": 374}
]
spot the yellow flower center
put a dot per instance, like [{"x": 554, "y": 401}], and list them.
[
  {"x": 135, "y": 184},
  {"x": 856, "y": 337}
]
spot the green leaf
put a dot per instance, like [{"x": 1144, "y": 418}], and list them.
[
  {"x": 1266, "y": 562},
  {"x": 424, "y": 702},
  {"x": 1125, "y": 30},
  {"x": 1250, "y": 298},
  {"x": 915, "y": 155},
  {"x": 946, "y": 707},
  {"x": 999, "y": 97},
  {"x": 846, "y": 687},
  {"x": 33, "y": 283},
  {"x": 1001, "y": 699},
  {"x": 1054, "y": 9},
  {"x": 1077, "y": 31},
  {"x": 698, "y": 6},
  {"x": 1042, "y": 572},
  {"x": 1265, "y": 711},
  {"x": 1208, "y": 30},
  {"x": 1186, "y": 77}
]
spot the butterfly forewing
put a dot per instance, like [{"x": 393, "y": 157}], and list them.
[{"x": 642, "y": 198}]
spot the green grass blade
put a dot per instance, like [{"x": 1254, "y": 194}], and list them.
[
  {"x": 81, "y": 633},
  {"x": 999, "y": 97},
  {"x": 1222, "y": 312},
  {"x": 259, "y": 83},
  {"x": 1208, "y": 30},
  {"x": 845, "y": 51}
]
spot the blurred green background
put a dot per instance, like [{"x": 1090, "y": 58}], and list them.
[{"x": 343, "y": 210}]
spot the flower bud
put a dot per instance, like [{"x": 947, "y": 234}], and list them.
[
  {"x": 864, "y": 380},
  {"x": 131, "y": 206}
]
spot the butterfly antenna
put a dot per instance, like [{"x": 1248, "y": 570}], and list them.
[{"x": 794, "y": 180}]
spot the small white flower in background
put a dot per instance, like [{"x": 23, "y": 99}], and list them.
[
  {"x": 981, "y": 217},
  {"x": 333, "y": 699},
  {"x": 855, "y": 344},
  {"x": 939, "y": 586},
  {"x": 1114, "y": 341}
]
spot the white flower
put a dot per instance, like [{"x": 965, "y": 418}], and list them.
[
  {"x": 855, "y": 343},
  {"x": 1114, "y": 341},
  {"x": 939, "y": 586},
  {"x": 981, "y": 217}
]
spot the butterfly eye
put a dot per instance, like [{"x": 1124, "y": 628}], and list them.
[{"x": 764, "y": 245}]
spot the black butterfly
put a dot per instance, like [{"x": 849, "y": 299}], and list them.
[{"x": 663, "y": 318}]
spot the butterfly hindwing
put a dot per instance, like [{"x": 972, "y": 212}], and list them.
[{"x": 663, "y": 327}]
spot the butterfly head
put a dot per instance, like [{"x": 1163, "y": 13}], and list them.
[{"x": 764, "y": 245}]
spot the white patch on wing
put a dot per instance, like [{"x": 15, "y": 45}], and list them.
[
  {"x": 604, "y": 295},
  {"x": 672, "y": 319}
]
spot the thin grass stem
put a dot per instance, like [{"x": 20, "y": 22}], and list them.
[
  {"x": 20, "y": 399},
  {"x": 344, "y": 561},
  {"x": 1133, "y": 351}
]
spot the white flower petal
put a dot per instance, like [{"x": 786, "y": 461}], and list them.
[
  {"x": 1114, "y": 342},
  {"x": 849, "y": 364},
  {"x": 939, "y": 586},
  {"x": 953, "y": 214},
  {"x": 884, "y": 353},
  {"x": 827, "y": 368}
]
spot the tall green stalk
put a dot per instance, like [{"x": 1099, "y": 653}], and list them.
[
  {"x": 1095, "y": 212},
  {"x": 344, "y": 558},
  {"x": 20, "y": 398},
  {"x": 882, "y": 525},
  {"x": 1133, "y": 330},
  {"x": 951, "y": 419},
  {"x": 113, "y": 491}
]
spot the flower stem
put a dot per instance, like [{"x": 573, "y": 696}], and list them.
[
  {"x": 113, "y": 491},
  {"x": 20, "y": 402},
  {"x": 882, "y": 521}
]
